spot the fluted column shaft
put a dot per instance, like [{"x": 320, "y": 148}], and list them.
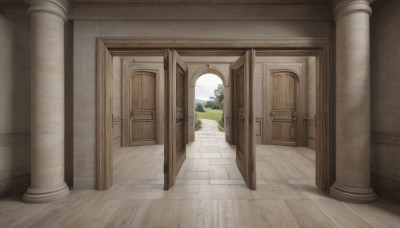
[
  {"x": 352, "y": 102},
  {"x": 47, "y": 101}
]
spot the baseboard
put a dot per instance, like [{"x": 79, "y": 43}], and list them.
[
  {"x": 386, "y": 188},
  {"x": 14, "y": 185}
]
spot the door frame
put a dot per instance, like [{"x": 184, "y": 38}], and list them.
[
  {"x": 299, "y": 102},
  {"x": 139, "y": 67},
  {"x": 303, "y": 46}
]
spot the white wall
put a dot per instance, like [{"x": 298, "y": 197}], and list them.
[
  {"x": 85, "y": 34},
  {"x": 14, "y": 101}
]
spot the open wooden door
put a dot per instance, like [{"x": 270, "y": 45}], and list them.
[
  {"x": 243, "y": 116},
  {"x": 176, "y": 116}
]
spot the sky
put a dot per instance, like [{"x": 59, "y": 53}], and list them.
[{"x": 205, "y": 86}]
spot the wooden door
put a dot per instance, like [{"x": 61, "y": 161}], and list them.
[
  {"x": 283, "y": 112},
  {"x": 143, "y": 113},
  {"x": 243, "y": 116},
  {"x": 176, "y": 116}
]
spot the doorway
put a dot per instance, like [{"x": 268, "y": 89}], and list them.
[
  {"x": 142, "y": 124},
  {"x": 324, "y": 145},
  {"x": 285, "y": 95}
]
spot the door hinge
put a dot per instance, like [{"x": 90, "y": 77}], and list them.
[{"x": 165, "y": 168}]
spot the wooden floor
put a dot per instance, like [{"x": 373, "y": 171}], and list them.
[{"x": 209, "y": 193}]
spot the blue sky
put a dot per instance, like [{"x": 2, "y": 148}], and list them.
[{"x": 205, "y": 86}]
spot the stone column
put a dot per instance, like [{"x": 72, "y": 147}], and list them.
[
  {"x": 47, "y": 101},
  {"x": 352, "y": 102}
]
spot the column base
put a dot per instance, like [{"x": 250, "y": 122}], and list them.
[
  {"x": 352, "y": 195},
  {"x": 45, "y": 195}
]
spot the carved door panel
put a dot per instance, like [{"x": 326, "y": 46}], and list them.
[
  {"x": 283, "y": 113},
  {"x": 243, "y": 116},
  {"x": 176, "y": 116},
  {"x": 143, "y": 113}
]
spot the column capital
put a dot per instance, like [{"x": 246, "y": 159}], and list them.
[
  {"x": 56, "y": 7},
  {"x": 344, "y": 7}
]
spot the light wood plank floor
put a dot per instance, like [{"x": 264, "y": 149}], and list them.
[{"x": 209, "y": 193}]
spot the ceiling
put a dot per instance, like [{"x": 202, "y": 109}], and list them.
[
  {"x": 204, "y": 1},
  {"x": 6, "y": 2}
]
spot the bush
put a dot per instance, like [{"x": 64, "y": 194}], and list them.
[
  {"x": 213, "y": 105},
  {"x": 197, "y": 123},
  {"x": 199, "y": 108},
  {"x": 221, "y": 123},
  {"x": 221, "y": 128}
]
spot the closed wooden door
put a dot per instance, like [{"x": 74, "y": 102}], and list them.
[
  {"x": 176, "y": 116},
  {"x": 283, "y": 113},
  {"x": 143, "y": 113},
  {"x": 243, "y": 116}
]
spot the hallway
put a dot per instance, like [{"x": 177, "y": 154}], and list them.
[{"x": 208, "y": 193}]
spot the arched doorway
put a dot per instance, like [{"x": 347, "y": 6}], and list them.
[
  {"x": 218, "y": 76},
  {"x": 209, "y": 106}
]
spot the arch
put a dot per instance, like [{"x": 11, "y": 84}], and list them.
[
  {"x": 137, "y": 72},
  {"x": 290, "y": 72},
  {"x": 208, "y": 69}
]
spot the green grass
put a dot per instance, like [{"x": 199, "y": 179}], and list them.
[{"x": 210, "y": 114}]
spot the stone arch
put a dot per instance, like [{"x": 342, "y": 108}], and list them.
[{"x": 208, "y": 69}]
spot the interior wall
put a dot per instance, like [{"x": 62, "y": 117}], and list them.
[
  {"x": 69, "y": 111},
  {"x": 311, "y": 97},
  {"x": 14, "y": 101},
  {"x": 85, "y": 34},
  {"x": 385, "y": 98}
]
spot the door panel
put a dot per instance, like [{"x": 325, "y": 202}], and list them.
[
  {"x": 283, "y": 113},
  {"x": 143, "y": 113},
  {"x": 176, "y": 116},
  {"x": 243, "y": 116}
]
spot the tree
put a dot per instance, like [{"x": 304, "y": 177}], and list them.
[
  {"x": 199, "y": 108},
  {"x": 219, "y": 95}
]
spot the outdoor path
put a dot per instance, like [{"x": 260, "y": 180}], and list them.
[{"x": 209, "y": 128}]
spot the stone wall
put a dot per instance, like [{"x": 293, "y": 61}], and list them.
[
  {"x": 14, "y": 100},
  {"x": 385, "y": 98},
  {"x": 85, "y": 34}
]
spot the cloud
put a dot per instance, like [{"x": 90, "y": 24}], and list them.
[{"x": 205, "y": 86}]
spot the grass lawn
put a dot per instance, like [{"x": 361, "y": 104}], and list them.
[{"x": 210, "y": 114}]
